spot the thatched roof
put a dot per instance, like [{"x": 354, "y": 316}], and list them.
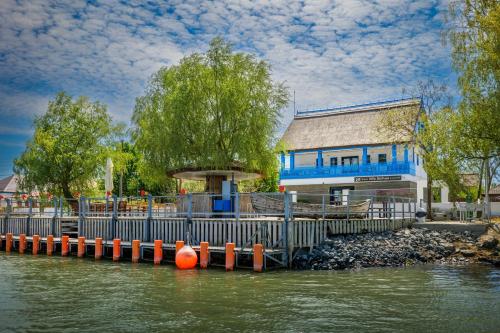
[{"x": 345, "y": 126}]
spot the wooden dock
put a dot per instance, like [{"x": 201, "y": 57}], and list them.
[{"x": 279, "y": 237}]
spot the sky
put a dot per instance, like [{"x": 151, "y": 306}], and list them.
[{"x": 331, "y": 53}]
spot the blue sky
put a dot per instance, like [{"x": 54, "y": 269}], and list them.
[{"x": 330, "y": 52}]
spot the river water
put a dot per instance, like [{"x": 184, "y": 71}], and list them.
[{"x": 55, "y": 294}]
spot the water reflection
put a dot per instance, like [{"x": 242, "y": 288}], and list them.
[{"x": 54, "y": 293}]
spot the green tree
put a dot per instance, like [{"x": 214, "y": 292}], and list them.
[
  {"x": 475, "y": 38},
  {"x": 68, "y": 149},
  {"x": 215, "y": 110},
  {"x": 427, "y": 127}
]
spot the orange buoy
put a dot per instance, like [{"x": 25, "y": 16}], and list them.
[
  {"x": 136, "y": 250},
  {"x": 229, "y": 256},
  {"x": 81, "y": 247},
  {"x": 178, "y": 245},
  {"x": 50, "y": 245},
  {"x": 116, "y": 249},
  {"x": 64, "y": 245},
  {"x": 36, "y": 244},
  {"x": 158, "y": 252},
  {"x": 258, "y": 257},
  {"x": 8, "y": 242},
  {"x": 22, "y": 243},
  {"x": 98, "y": 248},
  {"x": 186, "y": 258}
]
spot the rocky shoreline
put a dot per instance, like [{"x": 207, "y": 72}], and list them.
[{"x": 399, "y": 248}]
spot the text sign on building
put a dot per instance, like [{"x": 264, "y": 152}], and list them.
[{"x": 376, "y": 178}]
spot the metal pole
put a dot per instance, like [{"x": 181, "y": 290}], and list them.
[
  {"x": 28, "y": 219},
  {"x": 323, "y": 205},
  {"x": 348, "y": 204},
  {"x": 148, "y": 220},
  {"x": 237, "y": 205}
]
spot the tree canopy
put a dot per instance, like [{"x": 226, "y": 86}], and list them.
[
  {"x": 214, "y": 110},
  {"x": 68, "y": 148}
]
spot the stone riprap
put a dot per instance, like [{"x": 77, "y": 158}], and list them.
[{"x": 399, "y": 248}]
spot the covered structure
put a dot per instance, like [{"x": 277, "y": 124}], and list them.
[{"x": 341, "y": 149}]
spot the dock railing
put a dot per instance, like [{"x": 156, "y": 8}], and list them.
[{"x": 353, "y": 204}]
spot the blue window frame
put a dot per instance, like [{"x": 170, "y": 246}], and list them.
[
  {"x": 382, "y": 158},
  {"x": 333, "y": 161},
  {"x": 368, "y": 159}
]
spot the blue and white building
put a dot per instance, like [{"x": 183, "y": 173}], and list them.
[{"x": 341, "y": 149}]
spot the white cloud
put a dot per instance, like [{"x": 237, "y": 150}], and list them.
[{"x": 330, "y": 52}]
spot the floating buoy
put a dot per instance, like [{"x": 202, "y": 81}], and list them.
[{"x": 186, "y": 258}]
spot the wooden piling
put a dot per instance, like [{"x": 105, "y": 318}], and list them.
[
  {"x": 203, "y": 254},
  {"x": 22, "y": 243},
  {"x": 36, "y": 244},
  {"x": 116, "y": 249},
  {"x": 136, "y": 250},
  {"x": 178, "y": 245},
  {"x": 158, "y": 251},
  {"x": 64, "y": 245},
  {"x": 81, "y": 247},
  {"x": 50, "y": 245},
  {"x": 258, "y": 257},
  {"x": 230, "y": 256},
  {"x": 98, "y": 248},
  {"x": 8, "y": 242}
]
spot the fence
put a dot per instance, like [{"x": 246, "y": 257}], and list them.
[{"x": 351, "y": 205}]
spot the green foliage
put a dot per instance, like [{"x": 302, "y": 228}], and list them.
[
  {"x": 212, "y": 111},
  {"x": 475, "y": 40},
  {"x": 68, "y": 149}
]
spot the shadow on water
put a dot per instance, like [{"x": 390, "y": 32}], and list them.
[{"x": 68, "y": 294}]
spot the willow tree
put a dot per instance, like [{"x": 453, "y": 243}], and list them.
[
  {"x": 214, "y": 111},
  {"x": 68, "y": 148}
]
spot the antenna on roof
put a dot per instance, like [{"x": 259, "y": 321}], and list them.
[{"x": 294, "y": 110}]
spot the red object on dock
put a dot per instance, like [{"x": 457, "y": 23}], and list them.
[
  {"x": 36, "y": 244},
  {"x": 258, "y": 257},
  {"x": 178, "y": 245},
  {"x": 116, "y": 249},
  {"x": 158, "y": 252},
  {"x": 8, "y": 242},
  {"x": 81, "y": 247},
  {"x": 22, "y": 243},
  {"x": 229, "y": 256},
  {"x": 136, "y": 250},
  {"x": 64, "y": 245},
  {"x": 50, "y": 245},
  {"x": 186, "y": 258},
  {"x": 98, "y": 248},
  {"x": 203, "y": 254}
]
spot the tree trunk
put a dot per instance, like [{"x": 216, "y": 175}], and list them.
[
  {"x": 480, "y": 186},
  {"x": 72, "y": 202},
  {"x": 429, "y": 197}
]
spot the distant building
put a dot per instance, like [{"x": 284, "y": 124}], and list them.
[
  {"x": 8, "y": 186},
  {"x": 494, "y": 193},
  {"x": 337, "y": 150}
]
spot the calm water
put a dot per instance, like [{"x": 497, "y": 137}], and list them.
[{"x": 69, "y": 294}]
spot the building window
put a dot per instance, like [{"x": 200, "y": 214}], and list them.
[
  {"x": 333, "y": 161},
  {"x": 350, "y": 160},
  {"x": 368, "y": 159},
  {"x": 382, "y": 158}
]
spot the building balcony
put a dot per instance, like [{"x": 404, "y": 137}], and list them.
[{"x": 356, "y": 170}]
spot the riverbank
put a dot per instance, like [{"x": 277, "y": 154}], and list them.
[{"x": 400, "y": 248}]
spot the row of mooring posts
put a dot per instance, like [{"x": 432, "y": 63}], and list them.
[{"x": 137, "y": 253}]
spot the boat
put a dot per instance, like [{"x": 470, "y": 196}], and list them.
[{"x": 266, "y": 204}]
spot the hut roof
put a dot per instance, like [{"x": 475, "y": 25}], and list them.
[
  {"x": 345, "y": 126},
  {"x": 8, "y": 184}
]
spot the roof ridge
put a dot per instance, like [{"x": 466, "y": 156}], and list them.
[{"x": 355, "y": 108}]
